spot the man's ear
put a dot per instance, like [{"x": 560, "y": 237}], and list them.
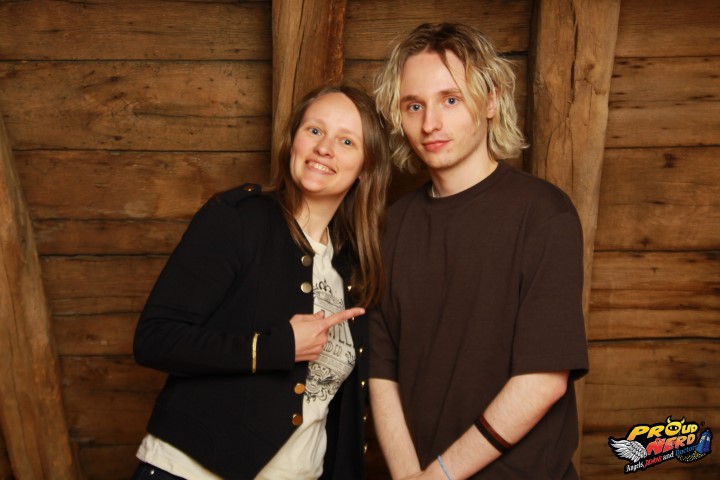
[{"x": 491, "y": 108}]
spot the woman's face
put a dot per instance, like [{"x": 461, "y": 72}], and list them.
[{"x": 327, "y": 152}]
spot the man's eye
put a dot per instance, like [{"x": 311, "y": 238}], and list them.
[
  {"x": 414, "y": 107},
  {"x": 452, "y": 101}
]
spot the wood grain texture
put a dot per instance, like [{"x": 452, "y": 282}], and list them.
[
  {"x": 94, "y": 185},
  {"x": 668, "y": 28},
  {"x": 372, "y": 25},
  {"x": 31, "y": 404},
  {"x": 135, "y": 30},
  {"x": 655, "y": 79},
  {"x": 171, "y": 106},
  {"x": 660, "y": 199},
  {"x": 99, "y": 284}
]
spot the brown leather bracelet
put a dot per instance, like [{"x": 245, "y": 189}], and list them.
[{"x": 491, "y": 435}]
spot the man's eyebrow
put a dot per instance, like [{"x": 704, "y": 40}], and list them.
[
  {"x": 408, "y": 98},
  {"x": 441, "y": 93}
]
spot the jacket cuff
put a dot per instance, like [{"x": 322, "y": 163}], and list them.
[{"x": 275, "y": 350}]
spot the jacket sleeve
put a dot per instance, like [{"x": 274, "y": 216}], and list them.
[{"x": 176, "y": 333}]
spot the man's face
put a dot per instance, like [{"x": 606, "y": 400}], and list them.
[{"x": 435, "y": 117}]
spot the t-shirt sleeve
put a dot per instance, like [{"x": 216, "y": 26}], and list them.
[
  {"x": 550, "y": 331},
  {"x": 383, "y": 342}
]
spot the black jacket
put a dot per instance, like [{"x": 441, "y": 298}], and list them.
[{"x": 236, "y": 272}]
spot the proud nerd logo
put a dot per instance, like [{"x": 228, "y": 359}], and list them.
[{"x": 647, "y": 445}]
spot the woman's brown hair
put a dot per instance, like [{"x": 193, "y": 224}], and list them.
[{"x": 357, "y": 222}]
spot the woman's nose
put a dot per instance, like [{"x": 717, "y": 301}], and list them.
[{"x": 324, "y": 147}]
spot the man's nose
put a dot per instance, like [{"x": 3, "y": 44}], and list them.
[{"x": 432, "y": 120}]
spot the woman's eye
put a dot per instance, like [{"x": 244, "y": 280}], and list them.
[
  {"x": 314, "y": 131},
  {"x": 347, "y": 142}
]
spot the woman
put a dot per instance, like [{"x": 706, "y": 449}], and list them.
[{"x": 267, "y": 368}]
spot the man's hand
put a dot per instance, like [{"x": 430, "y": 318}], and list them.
[{"x": 311, "y": 331}]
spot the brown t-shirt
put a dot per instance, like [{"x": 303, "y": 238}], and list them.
[{"x": 481, "y": 286}]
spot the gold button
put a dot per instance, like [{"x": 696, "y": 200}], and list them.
[
  {"x": 364, "y": 418},
  {"x": 297, "y": 419},
  {"x": 306, "y": 260},
  {"x": 361, "y": 350},
  {"x": 306, "y": 287},
  {"x": 299, "y": 388},
  {"x": 349, "y": 287},
  {"x": 365, "y": 448},
  {"x": 249, "y": 188},
  {"x": 362, "y": 383}
]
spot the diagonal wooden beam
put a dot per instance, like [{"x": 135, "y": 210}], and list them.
[
  {"x": 572, "y": 52},
  {"x": 307, "y": 52},
  {"x": 31, "y": 409}
]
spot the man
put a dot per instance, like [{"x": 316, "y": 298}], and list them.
[{"x": 480, "y": 333}]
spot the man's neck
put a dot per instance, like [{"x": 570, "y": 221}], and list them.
[{"x": 448, "y": 182}]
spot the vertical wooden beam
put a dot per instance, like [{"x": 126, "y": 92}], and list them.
[
  {"x": 572, "y": 54},
  {"x": 31, "y": 409},
  {"x": 307, "y": 52}
]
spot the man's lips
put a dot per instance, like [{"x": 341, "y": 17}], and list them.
[{"x": 434, "y": 145}]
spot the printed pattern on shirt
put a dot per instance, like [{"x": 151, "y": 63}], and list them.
[{"x": 335, "y": 363}]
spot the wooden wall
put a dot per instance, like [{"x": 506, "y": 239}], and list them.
[
  {"x": 654, "y": 322},
  {"x": 125, "y": 116}
]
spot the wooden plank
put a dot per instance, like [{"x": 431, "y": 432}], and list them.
[
  {"x": 135, "y": 30},
  {"x": 696, "y": 272},
  {"x": 108, "y": 418},
  {"x": 661, "y": 176},
  {"x": 106, "y": 334},
  {"x": 107, "y": 237},
  {"x": 210, "y": 106},
  {"x": 637, "y": 323},
  {"x": 307, "y": 52},
  {"x": 668, "y": 28},
  {"x": 373, "y": 24},
  {"x": 599, "y": 463},
  {"x": 86, "y": 375},
  {"x": 134, "y": 185},
  {"x": 571, "y": 59},
  {"x": 662, "y": 299},
  {"x": 657, "y": 79},
  {"x": 660, "y": 199},
  {"x": 625, "y": 376},
  {"x": 658, "y": 227},
  {"x": 31, "y": 405},
  {"x": 92, "y": 285},
  {"x": 663, "y": 124},
  {"x": 108, "y": 462}
]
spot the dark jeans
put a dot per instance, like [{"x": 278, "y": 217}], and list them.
[{"x": 145, "y": 471}]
